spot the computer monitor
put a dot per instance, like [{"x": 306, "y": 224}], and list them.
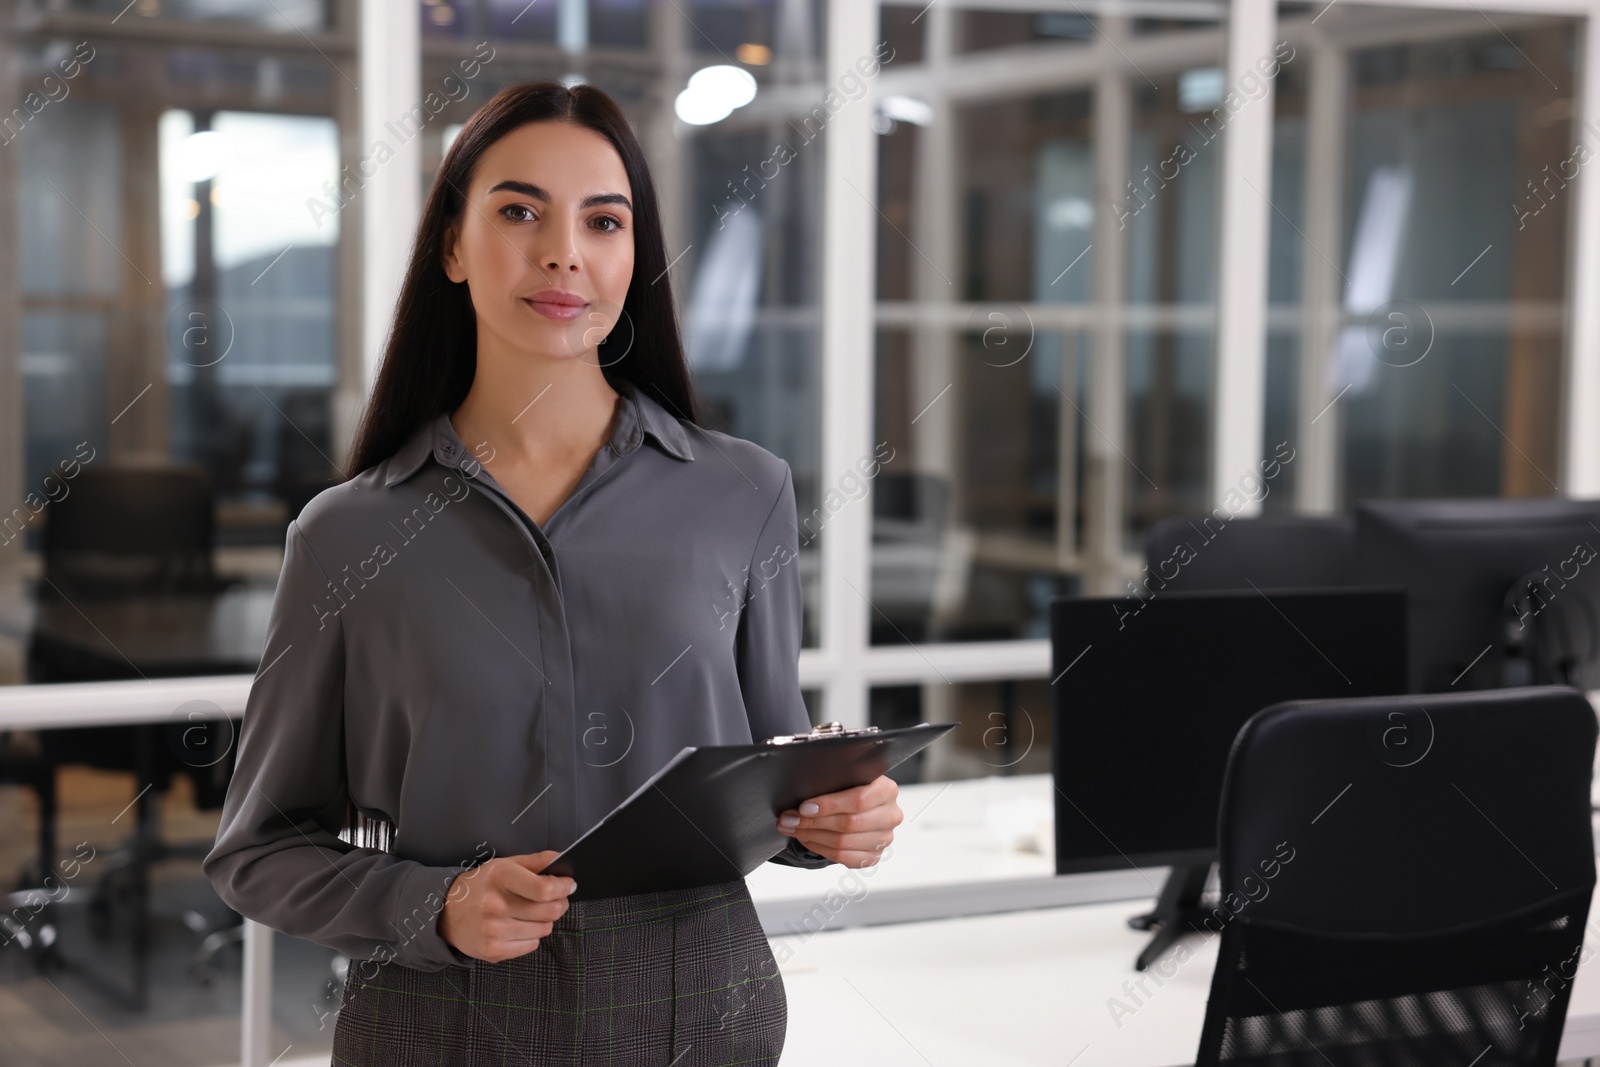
[
  {"x": 1201, "y": 554},
  {"x": 1457, "y": 559},
  {"x": 1148, "y": 695}
]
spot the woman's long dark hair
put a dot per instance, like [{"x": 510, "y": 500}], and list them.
[{"x": 431, "y": 353}]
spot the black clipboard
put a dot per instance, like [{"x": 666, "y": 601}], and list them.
[{"x": 710, "y": 815}]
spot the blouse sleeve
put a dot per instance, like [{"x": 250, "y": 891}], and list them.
[
  {"x": 768, "y": 641},
  {"x": 278, "y": 857}
]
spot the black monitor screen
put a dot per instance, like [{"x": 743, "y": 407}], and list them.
[
  {"x": 1148, "y": 695},
  {"x": 1457, "y": 559}
]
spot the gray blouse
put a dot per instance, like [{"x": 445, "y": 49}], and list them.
[{"x": 493, "y": 687}]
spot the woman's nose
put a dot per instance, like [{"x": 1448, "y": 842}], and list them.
[{"x": 557, "y": 247}]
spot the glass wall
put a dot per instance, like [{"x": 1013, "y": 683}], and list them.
[
  {"x": 1286, "y": 251},
  {"x": 1450, "y": 209},
  {"x": 178, "y": 306},
  {"x": 1167, "y": 214},
  {"x": 1030, "y": 259},
  {"x": 180, "y": 322},
  {"x": 275, "y": 16},
  {"x": 1005, "y": 727}
]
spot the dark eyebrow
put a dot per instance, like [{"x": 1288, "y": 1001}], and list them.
[{"x": 538, "y": 192}]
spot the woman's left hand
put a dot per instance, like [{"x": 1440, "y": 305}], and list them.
[{"x": 852, "y": 826}]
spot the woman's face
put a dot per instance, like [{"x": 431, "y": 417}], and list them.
[{"x": 548, "y": 218}]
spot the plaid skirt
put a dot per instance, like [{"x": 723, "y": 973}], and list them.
[{"x": 679, "y": 978}]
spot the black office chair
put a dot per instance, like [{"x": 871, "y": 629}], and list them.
[
  {"x": 910, "y": 528},
  {"x": 1271, "y": 551},
  {"x": 120, "y": 533},
  {"x": 912, "y": 546},
  {"x": 304, "y": 469},
  {"x": 1406, "y": 880},
  {"x": 129, "y": 531}
]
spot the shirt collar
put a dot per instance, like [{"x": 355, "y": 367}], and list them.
[{"x": 641, "y": 414}]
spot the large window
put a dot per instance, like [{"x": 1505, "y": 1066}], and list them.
[
  {"x": 1459, "y": 155},
  {"x": 1046, "y": 284},
  {"x": 178, "y": 312},
  {"x": 176, "y": 337}
]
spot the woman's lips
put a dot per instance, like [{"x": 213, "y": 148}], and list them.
[{"x": 559, "y": 312}]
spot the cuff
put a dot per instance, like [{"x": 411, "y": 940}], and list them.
[{"x": 419, "y": 945}]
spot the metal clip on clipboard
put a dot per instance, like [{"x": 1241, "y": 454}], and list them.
[{"x": 827, "y": 729}]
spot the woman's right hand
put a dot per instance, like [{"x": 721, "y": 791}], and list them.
[{"x": 508, "y": 907}]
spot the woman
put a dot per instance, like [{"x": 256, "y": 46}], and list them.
[{"x": 542, "y": 579}]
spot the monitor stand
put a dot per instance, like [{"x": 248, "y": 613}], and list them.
[{"x": 1177, "y": 911}]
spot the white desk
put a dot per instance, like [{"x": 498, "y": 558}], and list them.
[
  {"x": 956, "y": 853},
  {"x": 1046, "y": 980},
  {"x": 1020, "y": 989}
]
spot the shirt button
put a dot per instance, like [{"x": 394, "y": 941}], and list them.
[
  {"x": 544, "y": 550},
  {"x": 449, "y": 449}
]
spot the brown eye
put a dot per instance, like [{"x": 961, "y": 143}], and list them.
[
  {"x": 616, "y": 223},
  {"x": 515, "y": 207}
]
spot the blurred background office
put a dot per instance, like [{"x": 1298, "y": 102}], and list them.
[{"x": 1003, "y": 280}]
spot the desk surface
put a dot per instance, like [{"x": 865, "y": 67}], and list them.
[
  {"x": 981, "y": 829},
  {"x": 1027, "y": 989},
  {"x": 1035, "y": 986},
  {"x": 1046, "y": 986}
]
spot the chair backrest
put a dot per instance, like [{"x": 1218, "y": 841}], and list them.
[
  {"x": 129, "y": 530},
  {"x": 304, "y": 469},
  {"x": 1406, "y": 880},
  {"x": 1204, "y": 554}
]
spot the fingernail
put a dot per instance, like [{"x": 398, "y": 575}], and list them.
[
  {"x": 808, "y": 808},
  {"x": 788, "y": 820},
  {"x": 573, "y": 888}
]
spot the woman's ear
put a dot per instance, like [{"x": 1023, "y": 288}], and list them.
[{"x": 448, "y": 259}]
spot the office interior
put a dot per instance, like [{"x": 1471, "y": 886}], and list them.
[{"x": 1142, "y": 365}]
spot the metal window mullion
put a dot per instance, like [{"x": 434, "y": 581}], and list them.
[
  {"x": 849, "y": 220},
  {"x": 945, "y": 665},
  {"x": 255, "y": 1023},
  {"x": 1105, "y": 442},
  {"x": 13, "y": 439},
  {"x": 350, "y": 377},
  {"x": 1319, "y": 418},
  {"x": 1008, "y": 72},
  {"x": 1581, "y": 430},
  {"x": 668, "y": 142},
  {"x": 390, "y": 199},
  {"x": 1239, "y": 362},
  {"x": 1576, "y": 8},
  {"x": 935, "y": 394}
]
